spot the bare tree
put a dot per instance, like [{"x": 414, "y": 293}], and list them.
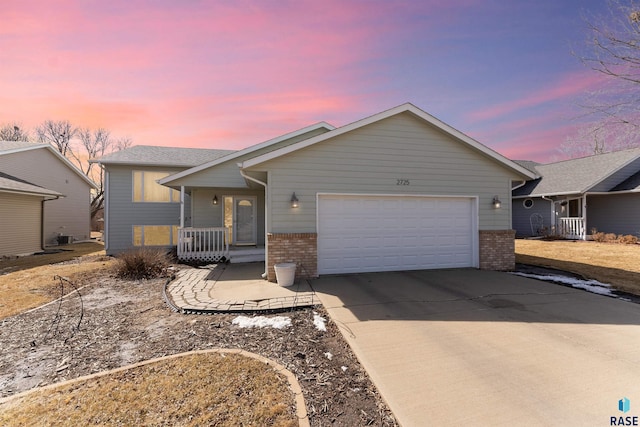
[
  {"x": 57, "y": 133},
  {"x": 613, "y": 110},
  {"x": 80, "y": 145},
  {"x": 93, "y": 144},
  {"x": 13, "y": 132},
  {"x": 599, "y": 137}
]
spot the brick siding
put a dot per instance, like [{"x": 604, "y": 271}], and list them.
[
  {"x": 301, "y": 248},
  {"x": 497, "y": 250}
]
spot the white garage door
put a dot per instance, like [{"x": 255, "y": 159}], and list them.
[{"x": 391, "y": 233}]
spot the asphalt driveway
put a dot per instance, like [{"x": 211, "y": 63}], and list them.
[{"x": 482, "y": 348}]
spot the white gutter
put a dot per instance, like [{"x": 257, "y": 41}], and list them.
[{"x": 266, "y": 217}]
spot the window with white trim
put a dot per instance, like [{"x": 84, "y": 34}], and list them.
[
  {"x": 155, "y": 235},
  {"x": 146, "y": 189}
]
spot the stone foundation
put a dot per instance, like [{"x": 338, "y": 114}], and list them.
[
  {"x": 497, "y": 250},
  {"x": 301, "y": 248}
]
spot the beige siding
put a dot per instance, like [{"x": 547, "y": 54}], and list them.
[
  {"x": 378, "y": 157},
  {"x": 67, "y": 216},
  {"x": 19, "y": 224},
  {"x": 227, "y": 174}
]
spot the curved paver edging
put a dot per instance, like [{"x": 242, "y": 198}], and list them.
[
  {"x": 165, "y": 295},
  {"x": 301, "y": 408}
]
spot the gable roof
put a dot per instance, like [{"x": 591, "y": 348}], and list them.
[
  {"x": 149, "y": 155},
  {"x": 630, "y": 184},
  {"x": 10, "y": 147},
  {"x": 407, "y": 107},
  {"x": 248, "y": 150},
  {"x": 11, "y": 184},
  {"x": 577, "y": 176}
]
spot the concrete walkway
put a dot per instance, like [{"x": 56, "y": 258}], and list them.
[{"x": 234, "y": 288}]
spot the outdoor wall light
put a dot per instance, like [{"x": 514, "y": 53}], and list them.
[
  {"x": 215, "y": 199},
  {"x": 294, "y": 200},
  {"x": 496, "y": 202}
]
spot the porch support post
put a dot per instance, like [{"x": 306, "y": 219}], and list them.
[
  {"x": 584, "y": 217},
  {"x": 182, "y": 206}
]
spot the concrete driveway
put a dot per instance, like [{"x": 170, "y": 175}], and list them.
[{"x": 482, "y": 348}]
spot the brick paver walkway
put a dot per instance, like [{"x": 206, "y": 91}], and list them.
[{"x": 218, "y": 289}]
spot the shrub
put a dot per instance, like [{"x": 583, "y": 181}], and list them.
[
  {"x": 628, "y": 239},
  {"x": 598, "y": 236},
  {"x": 142, "y": 263}
]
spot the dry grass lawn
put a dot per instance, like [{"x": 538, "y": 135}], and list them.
[
  {"x": 32, "y": 281},
  {"x": 194, "y": 390},
  {"x": 613, "y": 263}
]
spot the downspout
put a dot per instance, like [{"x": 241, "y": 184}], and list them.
[{"x": 266, "y": 217}]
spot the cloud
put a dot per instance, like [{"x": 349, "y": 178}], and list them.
[{"x": 566, "y": 87}]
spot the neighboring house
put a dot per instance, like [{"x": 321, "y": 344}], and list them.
[
  {"x": 21, "y": 215},
  {"x": 399, "y": 190},
  {"x": 573, "y": 197},
  {"x": 42, "y": 165}
]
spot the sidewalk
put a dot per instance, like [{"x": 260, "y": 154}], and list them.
[{"x": 234, "y": 288}]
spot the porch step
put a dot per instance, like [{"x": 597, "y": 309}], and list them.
[
  {"x": 237, "y": 259},
  {"x": 246, "y": 255}
]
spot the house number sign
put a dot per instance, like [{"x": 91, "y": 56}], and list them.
[{"x": 402, "y": 182}]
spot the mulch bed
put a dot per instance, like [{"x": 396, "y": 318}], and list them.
[{"x": 113, "y": 323}]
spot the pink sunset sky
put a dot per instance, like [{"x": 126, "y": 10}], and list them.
[{"x": 229, "y": 74}]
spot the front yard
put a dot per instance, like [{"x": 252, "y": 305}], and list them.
[
  {"x": 113, "y": 323},
  {"x": 613, "y": 263}
]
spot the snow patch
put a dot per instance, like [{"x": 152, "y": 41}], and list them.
[
  {"x": 588, "y": 285},
  {"x": 277, "y": 322},
  {"x": 319, "y": 322}
]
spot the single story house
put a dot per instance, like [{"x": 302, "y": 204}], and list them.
[
  {"x": 68, "y": 214},
  {"x": 22, "y": 212},
  {"x": 573, "y": 198},
  {"x": 399, "y": 190}
]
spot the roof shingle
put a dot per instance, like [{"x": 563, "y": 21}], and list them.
[{"x": 163, "y": 156}]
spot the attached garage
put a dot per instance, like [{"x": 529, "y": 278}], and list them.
[{"x": 367, "y": 233}]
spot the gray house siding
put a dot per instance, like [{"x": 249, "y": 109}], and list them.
[
  {"x": 20, "y": 224},
  {"x": 382, "y": 158},
  {"x": 614, "y": 213},
  {"x": 122, "y": 213},
  {"x": 69, "y": 215},
  {"x": 522, "y": 215}
]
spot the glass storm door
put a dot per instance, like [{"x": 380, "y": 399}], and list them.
[{"x": 244, "y": 220}]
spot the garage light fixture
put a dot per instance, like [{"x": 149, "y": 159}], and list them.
[
  {"x": 294, "y": 200},
  {"x": 496, "y": 202},
  {"x": 215, "y": 199}
]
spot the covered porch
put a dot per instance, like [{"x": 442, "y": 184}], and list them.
[
  {"x": 570, "y": 217},
  {"x": 221, "y": 225}
]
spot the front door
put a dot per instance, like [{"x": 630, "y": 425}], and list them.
[{"x": 241, "y": 219}]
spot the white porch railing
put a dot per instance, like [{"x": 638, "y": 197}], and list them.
[
  {"x": 203, "y": 244},
  {"x": 572, "y": 228}
]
